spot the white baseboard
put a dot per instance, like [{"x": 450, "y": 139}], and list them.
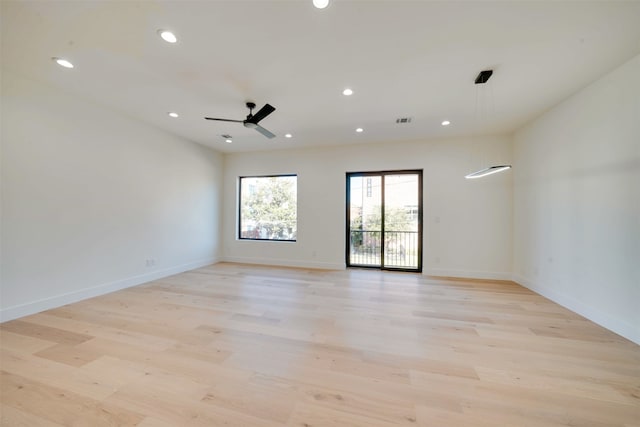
[
  {"x": 286, "y": 263},
  {"x": 605, "y": 320},
  {"x": 466, "y": 274},
  {"x": 37, "y": 306}
]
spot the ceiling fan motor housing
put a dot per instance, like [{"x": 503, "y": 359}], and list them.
[{"x": 252, "y": 120}]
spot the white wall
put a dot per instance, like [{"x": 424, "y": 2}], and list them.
[
  {"x": 467, "y": 223},
  {"x": 89, "y": 195},
  {"x": 577, "y": 202}
]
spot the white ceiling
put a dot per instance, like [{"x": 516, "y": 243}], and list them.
[{"x": 413, "y": 59}]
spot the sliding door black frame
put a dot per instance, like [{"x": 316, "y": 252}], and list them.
[{"x": 382, "y": 174}]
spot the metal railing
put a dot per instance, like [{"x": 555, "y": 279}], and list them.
[{"x": 400, "y": 248}]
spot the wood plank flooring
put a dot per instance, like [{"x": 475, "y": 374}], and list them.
[{"x": 238, "y": 345}]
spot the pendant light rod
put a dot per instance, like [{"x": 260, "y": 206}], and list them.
[{"x": 488, "y": 171}]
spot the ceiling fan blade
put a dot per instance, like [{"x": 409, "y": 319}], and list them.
[
  {"x": 224, "y": 120},
  {"x": 264, "y": 131},
  {"x": 264, "y": 112}
]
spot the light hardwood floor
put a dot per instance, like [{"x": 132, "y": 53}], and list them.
[{"x": 237, "y": 345}]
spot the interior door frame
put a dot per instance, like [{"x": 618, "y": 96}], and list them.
[{"x": 382, "y": 174}]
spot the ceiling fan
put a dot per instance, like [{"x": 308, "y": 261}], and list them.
[{"x": 252, "y": 119}]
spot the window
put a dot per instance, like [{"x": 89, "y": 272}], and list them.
[{"x": 268, "y": 207}]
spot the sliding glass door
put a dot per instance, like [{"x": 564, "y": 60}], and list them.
[{"x": 384, "y": 220}]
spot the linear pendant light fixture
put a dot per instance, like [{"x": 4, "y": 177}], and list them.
[
  {"x": 481, "y": 79},
  {"x": 488, "y": 171}
]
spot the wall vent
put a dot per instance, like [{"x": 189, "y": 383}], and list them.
[{"x": 403, "y": 120}]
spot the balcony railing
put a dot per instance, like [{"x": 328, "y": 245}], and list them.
[{"x": 400, "y": 248}]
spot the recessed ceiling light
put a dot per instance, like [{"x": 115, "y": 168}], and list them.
[
  {"x": 63, "y": 62},
  {"x": 287, "y": 135},
  {"x": 446, "y": 123},
  {"x": 168, "y": 36},
  {"x": 321, "y": 4},
  {"x": 347, "y": 92},
  {"x": 228, "y": 140},
  {"x": 359, "y": 130},
  {"x": 174, "y": 115}
]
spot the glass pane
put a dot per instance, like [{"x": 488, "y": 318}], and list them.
[
  {"x": 366, "y": 226},
  {"x": 268, "y": 207},
  {"x": 401, "y": 221}
]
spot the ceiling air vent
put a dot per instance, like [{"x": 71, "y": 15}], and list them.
[
  {"x": 225, "y": 136},
  {"x": 403, "y": 120}
]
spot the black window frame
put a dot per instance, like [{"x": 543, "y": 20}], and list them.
[{"x": 239, "y": 230}]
